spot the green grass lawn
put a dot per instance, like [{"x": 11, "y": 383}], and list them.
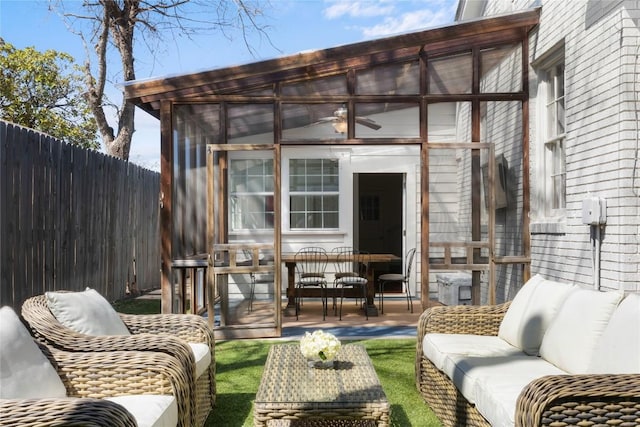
[{"x": 239, "y": 366}]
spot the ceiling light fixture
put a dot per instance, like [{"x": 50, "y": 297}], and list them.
[{"x": 340, "y": 126}]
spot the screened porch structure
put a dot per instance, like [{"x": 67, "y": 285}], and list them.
[{"x": 261, "y": 159}]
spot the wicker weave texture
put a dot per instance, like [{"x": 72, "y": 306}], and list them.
[
  {"x": 292, "y": 393},
  {"x": 89, "y": 377},
  {"x": 555, "y": 401},
  {"x": 63, "y": 412},
  {"x": 162, "y": 333}
]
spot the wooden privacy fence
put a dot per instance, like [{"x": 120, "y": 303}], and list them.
[{"x": 72, "y": 218}]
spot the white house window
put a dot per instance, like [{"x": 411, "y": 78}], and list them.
[
  {"x": 313, "y": 193},
  {"x": 251, "y": 194},
  {"x": 554, "y": 139}
]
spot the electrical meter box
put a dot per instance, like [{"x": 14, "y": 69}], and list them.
[{"x": 594, "y": 211}]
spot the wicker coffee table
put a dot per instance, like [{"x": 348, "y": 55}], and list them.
[{"x": 293, "y": 394}]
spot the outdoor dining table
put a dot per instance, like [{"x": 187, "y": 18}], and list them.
[{"x": 289, "y": 260}]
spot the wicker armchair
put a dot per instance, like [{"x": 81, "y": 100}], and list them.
[
  {"x": 164, "y": 333},
  {"x": 90, "y": 377},
  {"x": 567, "y": 400}
]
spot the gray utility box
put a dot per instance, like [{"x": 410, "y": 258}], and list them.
[{"x": 454, "y": 288}]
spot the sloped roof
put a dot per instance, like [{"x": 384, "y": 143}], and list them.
[{"x": 243, "y": 79}]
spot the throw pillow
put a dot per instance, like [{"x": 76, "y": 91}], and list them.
[
  {"x": 571, "y": 339},
  {"x": 25, "y": 372},
  {"x": 531, "y": 312},
  {"x": 618, "y": 351},
  {"x": 86, "y": 312}
]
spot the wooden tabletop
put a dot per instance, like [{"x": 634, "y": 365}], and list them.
[{"x": 333, "y": 257}]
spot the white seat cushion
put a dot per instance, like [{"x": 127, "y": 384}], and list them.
[
  {"x": 531, "y": 312},
  {"x": 150, "y": 410},
  {"x": 571, "y": 339},
  {"x": 24, "y": 371},
  {"x": 436, "y": 347},
  {"x": 202, "y": 355},
  {"x": 467, "y": 372},
  {"x": 86, "y": 312},
  {"x": 618, "y": 350},
  {"x": 498, "y": 384}
]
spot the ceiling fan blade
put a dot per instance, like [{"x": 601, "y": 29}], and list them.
[
  {"x": 368, "y": 123},
  {"x": 322, "y": 120}
]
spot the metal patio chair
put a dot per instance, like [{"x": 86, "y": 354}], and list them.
[
  {"x": 311, "y": 264},
  {"x": 352, "y": 266},
  {"x": 404, "y": 279}
]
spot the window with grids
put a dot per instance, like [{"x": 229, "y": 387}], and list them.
[
  {"x": 313, "y": 193},
  {"x": 554, "y": 138},
  {"x": 251, "y": 194}
]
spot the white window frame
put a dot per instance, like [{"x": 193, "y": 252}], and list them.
[
  {"x": 317, "y": 192},
  {"x": 551, "y": 147},
  {"x": 263, "y": 192}
]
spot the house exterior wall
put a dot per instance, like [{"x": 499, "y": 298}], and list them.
[{"x": 602, "y": 81}]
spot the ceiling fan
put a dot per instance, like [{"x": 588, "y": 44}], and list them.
[{"x": 339, "y": 121}]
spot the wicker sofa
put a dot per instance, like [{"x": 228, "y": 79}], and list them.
[
  {"x": 43, "y": 386},
  {"x": 184, "y": 337},
  {"x": 556, "y": 355}
]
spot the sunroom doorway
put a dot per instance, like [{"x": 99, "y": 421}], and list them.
[{"x": 380, "y": 216}]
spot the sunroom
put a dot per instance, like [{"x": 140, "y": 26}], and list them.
[{"x": 417, "y": 140}]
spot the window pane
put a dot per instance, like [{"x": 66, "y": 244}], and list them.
[
  {"x": 250, "y": 124},
  {"x": 314, "y": 203},
  {"x": 298, "y": 203},
  {"x": 334, "y": 85},
  {"x": 387, "y": 120},
  {"x": 449, "y": 122},
  {"x": 312, "y": 121},
  {"x": 451, "y": 74},
  {"x": 395, "y": 79},
  {"x": 314, "y": 183},
  {"x": 297, "y": 183},
  {"x": 314, "y": 167},
  {"x": 330, "y": 183},
  {"x": 501, "y": 69},
  {"x": 330, "y": 203},
  {"x": 331, "y": 220},
  {"x": 314, "y": 220},
  {"x": 297, "y": 220},
  {"x": 560, "y": 115}
]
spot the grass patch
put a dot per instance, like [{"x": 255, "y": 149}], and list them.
[{"x": 239, "y": 366}]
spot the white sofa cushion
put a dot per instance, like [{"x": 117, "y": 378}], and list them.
[
  {"x": 618, "y": 350},
  {"x": 24, "y": 371},
  {"x": 150, "y": 410},
  {"x": 531, "y": 311},
  {"x": 571, "y": 339},
  {"x": 467, "y": 372},
  {"x": 498, "y": 385},
  {"x": 86, "y": 312},
  {"x": 436, "y": 347}
]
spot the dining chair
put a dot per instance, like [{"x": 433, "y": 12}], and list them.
[
  {"x": 404, "y": 279},
  {"x": 311, "y": 264},
  {"x": 352, "y": 266},
  {"x": 257, "y": 278}
]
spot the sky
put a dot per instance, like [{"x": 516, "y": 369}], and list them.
[{"x": 293, "y": 26}]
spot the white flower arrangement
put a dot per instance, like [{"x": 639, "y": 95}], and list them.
[{"x": 319, "y": 345}]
